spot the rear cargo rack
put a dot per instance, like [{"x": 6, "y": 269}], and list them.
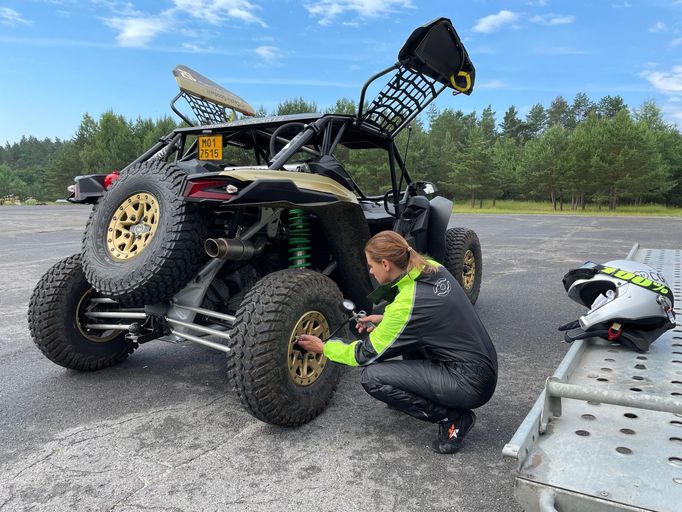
[{"x": 606, "y": 433}]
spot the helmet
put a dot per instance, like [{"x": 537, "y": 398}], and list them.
[{"x": 628, "y": 301}]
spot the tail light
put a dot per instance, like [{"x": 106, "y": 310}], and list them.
[
  {"x": 110, "y": 178},
  {"x": 210, "y": 189}
]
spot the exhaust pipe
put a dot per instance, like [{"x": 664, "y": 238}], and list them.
[{"x": 231, "y": 248}]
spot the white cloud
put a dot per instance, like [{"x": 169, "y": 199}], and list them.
[
  {"x": 270, "y": 54},
  {"x": 217, "y": 11},
  {"x": 673, "y": 111},
  {"x": 553, "y": 19},
  {"x": 195, "y": 48},
  {"x": 492, "y": 84},
  {"x": 659, "y": 26},
  {"x": 622, "y": 5},
  {"x": 537, "y": 3},
  {"x": 676, "y": 42},
  {"x": 137, "y": 32},
  {"x": 11, "y": 17},
  {"x": 117, "y": 7},
  {"x": 327, "y": 10},
  {"x": 666, "y": 82},
  {"x": 136, "y": 29},
  {"x": 494, "y": 22}
]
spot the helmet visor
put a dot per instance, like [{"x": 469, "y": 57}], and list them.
[{"x": 587, "y": 271}]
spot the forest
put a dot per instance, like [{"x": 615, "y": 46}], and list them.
[{"x": 570, "y": 154}]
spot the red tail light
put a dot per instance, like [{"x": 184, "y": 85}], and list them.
[
  {"x": 110, "y": 178},
  {"x": 208, "y": 189}
]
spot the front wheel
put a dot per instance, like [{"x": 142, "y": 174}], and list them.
[
  {"x": 60, "y": 324},
  {"x": 464, "y": 261},
  {"x": 275, "y": 379}
]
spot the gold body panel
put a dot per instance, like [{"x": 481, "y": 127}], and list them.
[{"x": 301, "y": 179}]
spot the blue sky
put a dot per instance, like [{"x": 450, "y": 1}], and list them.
[{"x": 62, "y": 58}]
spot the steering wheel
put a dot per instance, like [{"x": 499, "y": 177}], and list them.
[
  {"x": 273, "y": 137},
  {"x": 386, "y": 196}
]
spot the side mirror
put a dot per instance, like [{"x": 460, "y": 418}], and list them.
[
  {"x": 429, "y": 188},
  {"x": 425, "y": 188}
]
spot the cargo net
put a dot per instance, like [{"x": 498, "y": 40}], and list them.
[
  {"x": 406, "y": 93},
  {"x": 206, "y": 111}
]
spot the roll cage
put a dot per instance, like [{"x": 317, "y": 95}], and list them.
[
  {"x": 432, "y": 59},
  {"x": 319, "y": 136}
]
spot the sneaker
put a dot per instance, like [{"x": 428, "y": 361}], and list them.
[{"x": 451, "y": 433}]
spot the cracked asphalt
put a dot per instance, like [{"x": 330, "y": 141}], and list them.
[{"x": 164, "y": 430}]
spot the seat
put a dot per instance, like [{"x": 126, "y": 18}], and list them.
[{"x": 330, "y": 167}]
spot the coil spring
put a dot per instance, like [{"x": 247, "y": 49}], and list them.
[{"x": 299, "y": 239}]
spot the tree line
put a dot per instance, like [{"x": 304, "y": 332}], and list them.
[{"x": 571, "y": 154}]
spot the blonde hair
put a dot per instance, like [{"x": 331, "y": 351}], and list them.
[{"x": 390, "y": 246}]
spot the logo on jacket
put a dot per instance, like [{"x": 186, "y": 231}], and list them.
[{"x": 442, "y": 287}]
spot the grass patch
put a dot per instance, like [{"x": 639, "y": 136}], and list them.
[{"x": 545, "y": 208}]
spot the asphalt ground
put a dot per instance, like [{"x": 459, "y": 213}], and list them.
[{"x": 164, "y": 430}]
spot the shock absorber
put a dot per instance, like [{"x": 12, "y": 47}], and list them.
[{"x": 299, "y": 239}]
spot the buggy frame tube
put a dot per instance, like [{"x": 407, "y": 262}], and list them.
[
  {"x": 180, "y": 114},
  {"x": 165, "y": 141},
  {"x": 394, "y": 179},
  {"x": 297, "y": 143},
  {"x": 342, "y": 129},
  {"x": 403, "y": 166},
  {"x": 367, "y": 84}
]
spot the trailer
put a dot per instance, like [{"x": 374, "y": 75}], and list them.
[{"x": 606, "y": 432}]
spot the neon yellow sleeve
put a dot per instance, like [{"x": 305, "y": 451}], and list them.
[{"x": 340, "y": 352}]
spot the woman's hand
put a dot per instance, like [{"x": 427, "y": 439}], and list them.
[
  {"x": 362, "y": 326},
  {"x": 310, "y": 343}
]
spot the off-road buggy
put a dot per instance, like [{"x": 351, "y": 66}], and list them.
[{"x": 240, "y": 233}]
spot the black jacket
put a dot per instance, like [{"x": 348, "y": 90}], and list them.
[{"x": 429, "y": 313}]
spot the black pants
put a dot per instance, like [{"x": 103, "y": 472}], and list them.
[{"x": 430, "y": 390}]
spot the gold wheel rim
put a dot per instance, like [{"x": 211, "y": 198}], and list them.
[
  {"x": 469, "y": 270},
  {"x": 81, "y": 319},
  {"x": 132, "y": 226},
  {"x": 306, "y": 367}
]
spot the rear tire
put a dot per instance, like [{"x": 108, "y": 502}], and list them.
[
  {"x": 271, "y": 382},
  {"x": 54, "y": 320},
  {"x": 169, "y": 251},
  {"x": 464, "y": 261}
]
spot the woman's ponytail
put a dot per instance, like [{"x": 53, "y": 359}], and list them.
[{"x": 390, "y": 246}]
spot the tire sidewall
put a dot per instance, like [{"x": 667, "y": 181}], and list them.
[
  {"x": 96, "y": 242},
  {"x": 458, "y": 242},
  {"x": 329, "y": 308},
  {"x": 52, "y": 317},
  {"x": 72, "y": 294},
  {"x": 259, "y": 363}
]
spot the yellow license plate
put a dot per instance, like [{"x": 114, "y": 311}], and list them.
[{"x": 210, "y": 147}]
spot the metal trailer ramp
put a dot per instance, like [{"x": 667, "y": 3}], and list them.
[{"x": 606, "y": 433}]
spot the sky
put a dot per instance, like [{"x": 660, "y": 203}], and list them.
[{"x": 62, "y": 58}]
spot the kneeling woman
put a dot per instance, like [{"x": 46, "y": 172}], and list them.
[{"x": 449, "y": 364}]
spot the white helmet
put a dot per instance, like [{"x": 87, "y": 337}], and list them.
[{"x": 628, "y": 301}]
